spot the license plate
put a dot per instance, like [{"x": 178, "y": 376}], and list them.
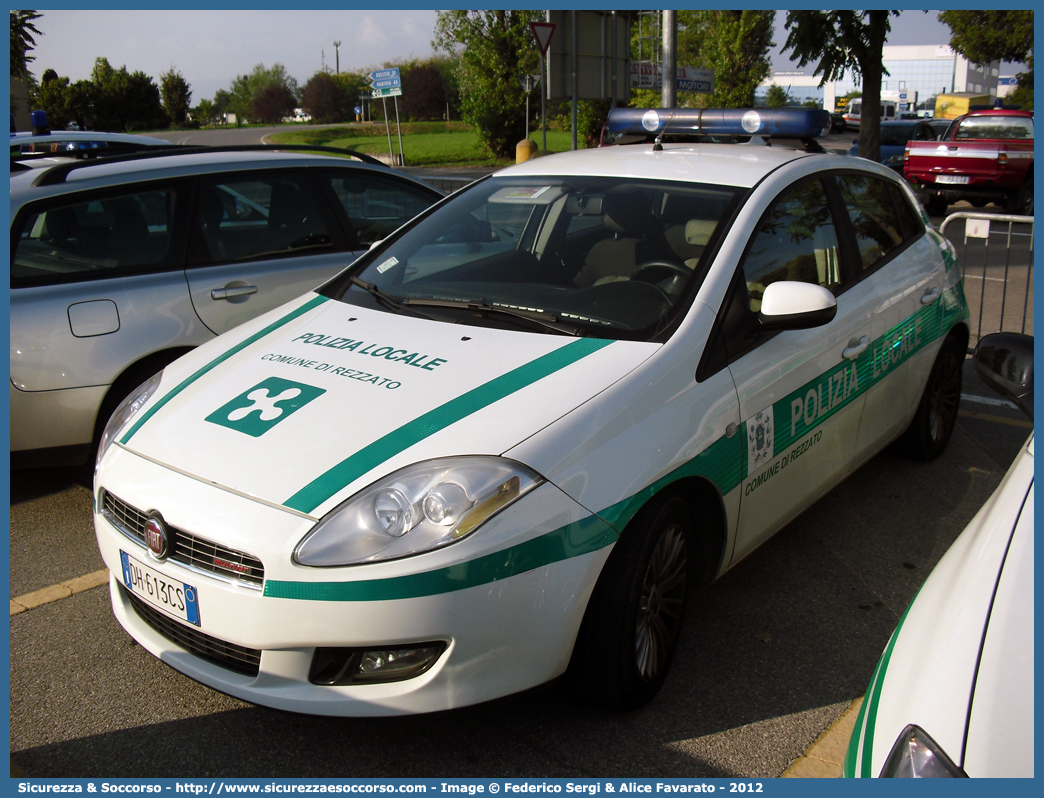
[
  {"x": 174, "y": 598},
  {"x": 955, "y": 179}
]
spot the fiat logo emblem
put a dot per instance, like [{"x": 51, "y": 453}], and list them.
[{"x": 156, "y": 536}]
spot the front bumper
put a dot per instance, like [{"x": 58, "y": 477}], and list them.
[{"x": 506, "y": 628}]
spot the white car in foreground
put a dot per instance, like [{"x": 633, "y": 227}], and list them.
[
  {"x": 952, "y": 695},
  {"x": 512, "y": 438}
]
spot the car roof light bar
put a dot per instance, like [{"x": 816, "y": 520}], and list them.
[{"x": 800, "y": 123}]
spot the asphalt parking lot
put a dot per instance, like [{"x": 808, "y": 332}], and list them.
[{"x": 772, "y": 654}]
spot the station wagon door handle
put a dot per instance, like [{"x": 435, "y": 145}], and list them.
[
  {"x": 931, "y": 296},
  {"x": 233, "y": 292},
  {"x": 856, "y": 348}
]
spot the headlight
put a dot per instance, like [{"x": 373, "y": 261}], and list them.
[
  {"x": 420, "y": 508},
  {"x": 127, "y": 410},
  {"x": 915, "y": 755}
]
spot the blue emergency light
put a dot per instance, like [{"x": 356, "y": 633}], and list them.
[{"x": 801, "y": 123}]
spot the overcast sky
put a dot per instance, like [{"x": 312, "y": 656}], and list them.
[{"x": 210, "y": 48}]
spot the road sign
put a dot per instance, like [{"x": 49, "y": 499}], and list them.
[
  {"x": 395, "y": 92},
  {"x": 386, "y": 83},
  {"x": 542, "y": 32},
  {"x": 384, "y": 74},
  {"x": 529, "y": 82},
  {"x": 358, "y": 109}
]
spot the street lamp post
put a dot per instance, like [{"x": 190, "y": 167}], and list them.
[{"x": 337, "y": 55}]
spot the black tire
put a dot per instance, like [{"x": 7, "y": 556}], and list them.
[
  {"x": 978, "y": 202},
  {"x": 936, "y": 205},
  {"x": 1021, "y": 202},
  {"x": 633, "y": 621},
  {"x": 936, "y": 416}
]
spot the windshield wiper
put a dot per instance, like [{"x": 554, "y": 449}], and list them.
[
  {"x": 388, "y": 300},
  {"x": 540, "y": 318}
]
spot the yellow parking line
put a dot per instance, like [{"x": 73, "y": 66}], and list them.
[
  {"x": 825, "y": 758},
  {"x": 70, "y": 587},
  {"x": 1012, "y": 422}
]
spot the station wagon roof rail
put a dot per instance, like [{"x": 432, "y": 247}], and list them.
[{"x": 58, "y": 174}]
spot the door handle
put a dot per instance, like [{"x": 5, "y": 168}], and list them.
[
  {"x": 931, "y": 296},
  {"x": 233, "y": 292},
  {"x": 856, "y": 348}
]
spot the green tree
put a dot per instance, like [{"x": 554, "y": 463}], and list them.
[
  {"x": 123, "y": 100},
  {"x": 272, "y": 104},
  {"x": 246, "y": 88},
  {"x": 776, "y": 97},
  {"x": 841, "y": 41},
  {"x": 22, "y": 42},
  {"x": 424, "y": 90},
  {"x": 736, "y": 46},
  {"x": 176, "y": 96},
  {"x": 325, "y": 98},
  {"x": 204, "y": 113},
  {"x": 53, "y": 95},
  {"x": 494, "y": 47},
  {"x": 986, "y": 36}
]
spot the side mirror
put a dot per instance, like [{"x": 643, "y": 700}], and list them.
[
  {"x": 1004, "y": 361},
  {"x": 788, "y": 305}
]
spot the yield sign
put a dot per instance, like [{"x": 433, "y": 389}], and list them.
[{"x": 542, "y": 32}]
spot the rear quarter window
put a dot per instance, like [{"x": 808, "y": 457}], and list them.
[{"x": 97, "y": 238}]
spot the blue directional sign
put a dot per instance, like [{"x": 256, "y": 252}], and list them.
[
  {"x": 387, "y": 83},
  {"x": 385, "y": 74}
]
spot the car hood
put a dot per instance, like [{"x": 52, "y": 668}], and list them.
[
  {"x": 960, "y": 651},
  {"x": 303, "y": 406}
]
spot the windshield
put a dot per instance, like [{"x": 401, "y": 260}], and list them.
[{"x": 610, "y": 257}]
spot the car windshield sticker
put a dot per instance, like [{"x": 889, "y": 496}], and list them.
[
  {"x": 524, "y": 193},
  {"x": 760, "y": 439},
  {"x": 307, "y": 306},
  {"x": 256, "y": 411},
  {"x": 393, "y": 261}
]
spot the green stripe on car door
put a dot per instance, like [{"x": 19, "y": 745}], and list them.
[
  {"x": 289, "y": 317},
  {"x": 348, "y": 470}
]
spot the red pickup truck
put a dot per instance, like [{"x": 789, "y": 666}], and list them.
[{"x": 983, "y": 156}]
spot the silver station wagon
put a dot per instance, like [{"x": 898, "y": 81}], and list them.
[{"x": 119, "y": 265}]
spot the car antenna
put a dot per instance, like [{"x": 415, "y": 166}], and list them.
[{"x": 658, "y": 143}]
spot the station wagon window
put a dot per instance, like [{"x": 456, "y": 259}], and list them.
[
  {"x": 880, "y": 216},
  {"x": 249, "y": 218},
  {"x": 377, "y": 206},
  {"x": 106, "y": 236}
]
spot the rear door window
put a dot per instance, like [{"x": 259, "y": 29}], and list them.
[
  {"x": 881, "y": 216},
  {"x": 253, "y": 217}
]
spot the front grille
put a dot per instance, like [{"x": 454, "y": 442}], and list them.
[
  {"x": 185, "y": 548},
  {"x": 226, "y": 655}
]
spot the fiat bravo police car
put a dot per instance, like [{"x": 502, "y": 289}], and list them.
[{"x": 508, "y": 443}]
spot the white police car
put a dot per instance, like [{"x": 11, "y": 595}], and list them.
[
  {"x": 952, "y": 695},
  {"x": 512, "y": 438}
]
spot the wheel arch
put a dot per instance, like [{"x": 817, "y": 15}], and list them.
[
  {"x": 709, "y": 520},
  {"x": 130, "y": 378}
]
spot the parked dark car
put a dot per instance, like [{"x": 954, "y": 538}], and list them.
[
  {"x": 895, "y": 135},
  {"x": 838, "y": 123}
]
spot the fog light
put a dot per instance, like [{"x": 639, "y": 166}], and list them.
[
  {"x": 395, "y": 664},
  {"x": 340, "y": 666}
]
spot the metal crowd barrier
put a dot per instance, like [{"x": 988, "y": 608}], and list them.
[{"x": 998, "y": 285}]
